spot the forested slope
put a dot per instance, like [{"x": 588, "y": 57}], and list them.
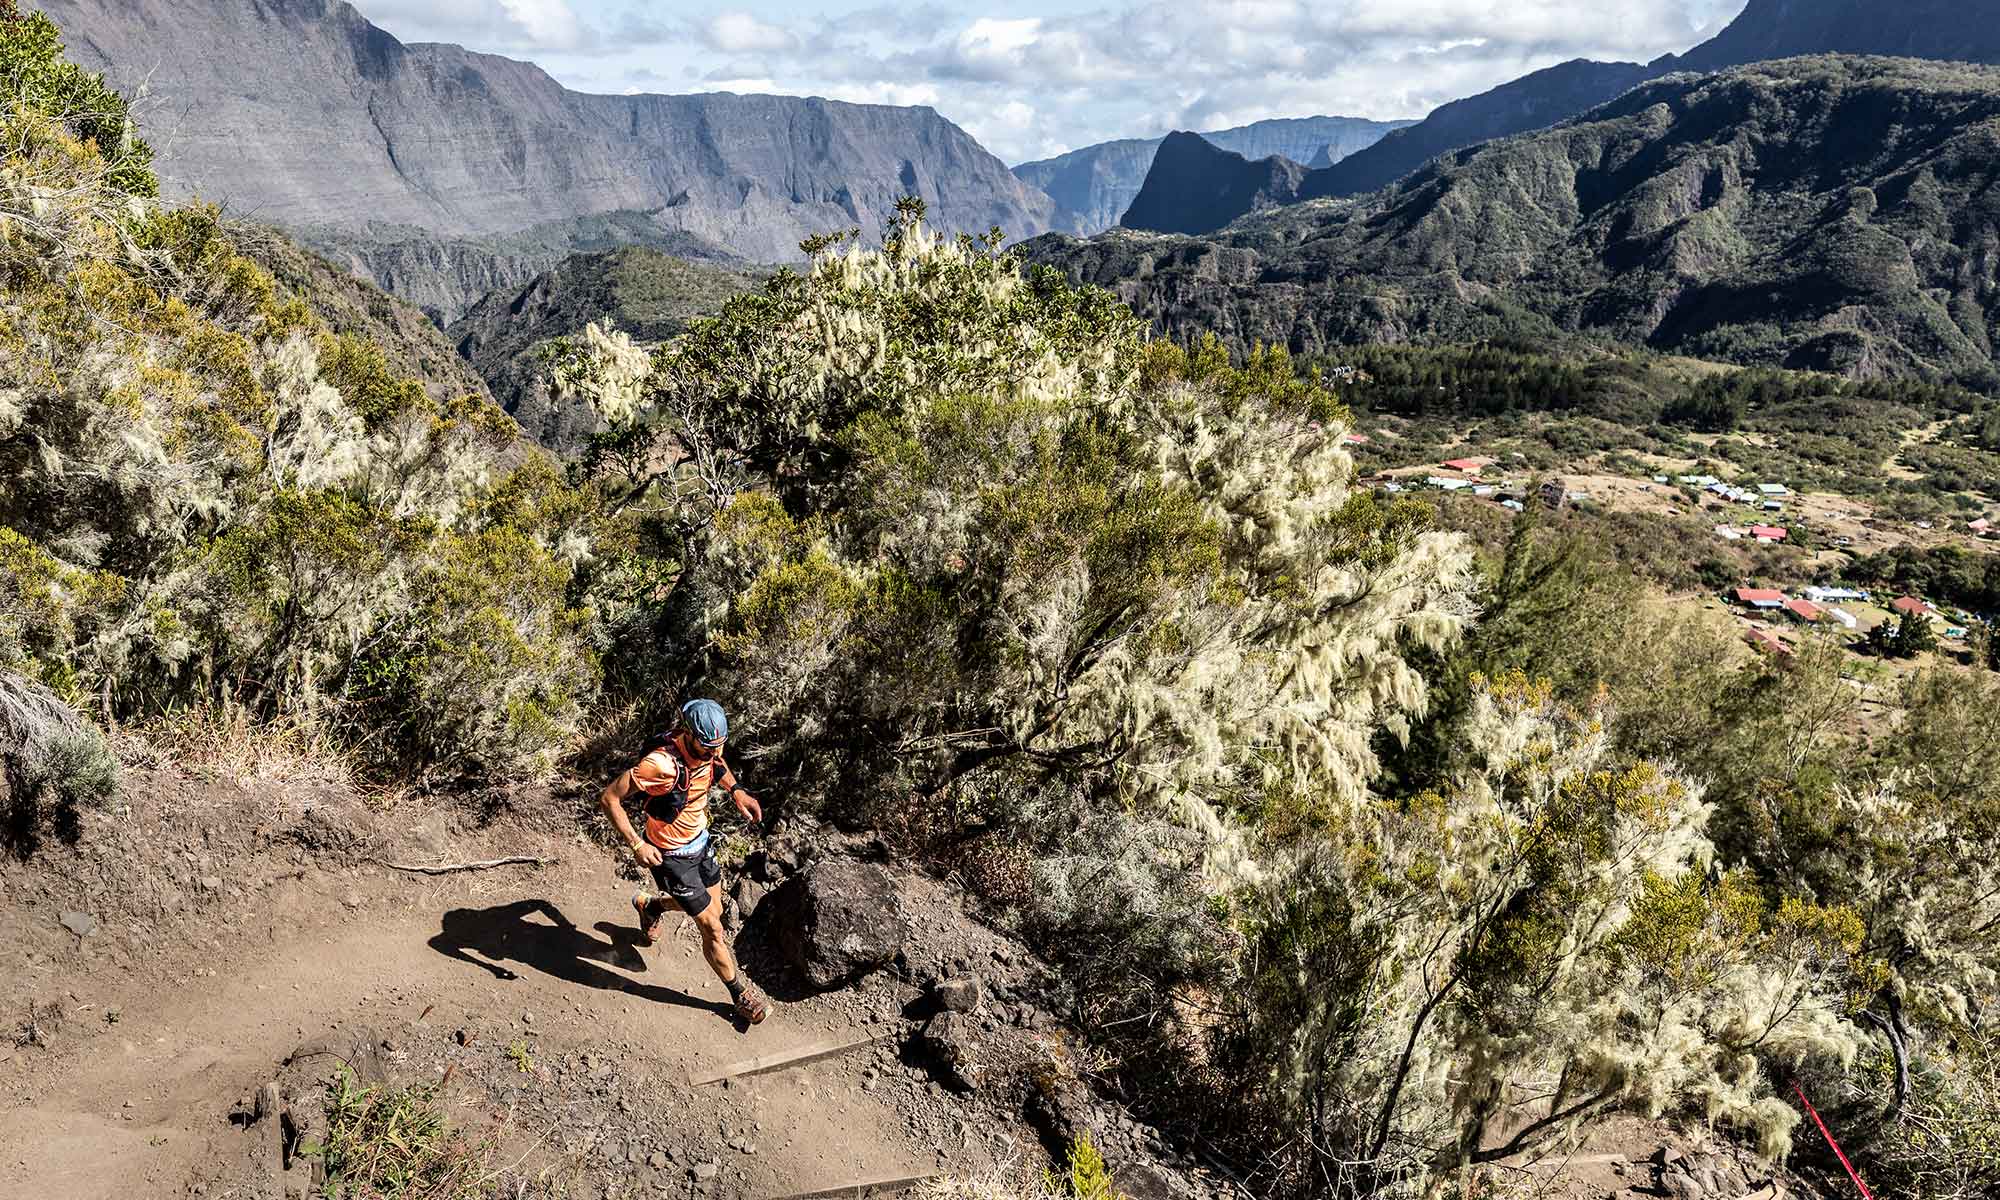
[{"x": 1831, "y": 213}]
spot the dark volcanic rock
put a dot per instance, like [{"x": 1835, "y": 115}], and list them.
[
  {"x": 952, "y": 1041},
  {"x": 960, "y": 994},
  {"x": 1195, "y": 187},
  {"x": 838, "y": 920}
]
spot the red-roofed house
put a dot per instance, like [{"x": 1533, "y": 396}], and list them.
[
  {"x": 1767, "y": 533},
  {"x": 1468, "y": 465},
  {"x": 1760, "y": 597},
  {"x": 1357, "y": 439},
  {"x": 1804, "y": 610},
  {"x": 1911, "y": 606},
  {"x": 1767, "y": 642}
]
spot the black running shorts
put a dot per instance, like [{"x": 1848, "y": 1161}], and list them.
[{"x": 687, "y": 878}]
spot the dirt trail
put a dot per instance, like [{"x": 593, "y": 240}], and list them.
[{"x": 141, "y": 1106}]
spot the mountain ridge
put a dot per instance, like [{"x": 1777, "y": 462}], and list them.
[
  {"x": 639, "y": 290},
  {"x": 303, "y": 113},
  {"x": 1092, "y": 186},
  {"x": 1947, "y": 30},
  {"x": 1831, "y": 213},
  {"x": 1192, "y": 179}
]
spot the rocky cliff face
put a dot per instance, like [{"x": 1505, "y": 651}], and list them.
[
  {"x": 302, "y": 113},
  {"x": 1952, "y": 30},
  {"x": 1193, "y": 183},
  {"x": 445, "y": 276},
  {"x": 1092, "y": 187},
  {"x": 1829, "y": 213}
]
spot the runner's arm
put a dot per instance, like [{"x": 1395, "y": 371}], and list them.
[
  {"x": 613, "y": 802},
  {"x": 746, "y": 804}
]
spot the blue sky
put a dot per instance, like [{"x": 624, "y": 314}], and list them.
[{"x": 1037, "y": 77}]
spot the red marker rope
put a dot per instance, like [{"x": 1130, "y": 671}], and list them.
[{"x": 1828, "y": 1135}]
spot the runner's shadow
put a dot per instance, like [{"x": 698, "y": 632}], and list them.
[{"x": 504, "y": 933}]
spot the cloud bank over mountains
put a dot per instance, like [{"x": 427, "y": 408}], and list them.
[{"x": 1066, "y": 73}]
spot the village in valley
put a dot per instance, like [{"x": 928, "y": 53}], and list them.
[{"x": 1829, "y": 530}]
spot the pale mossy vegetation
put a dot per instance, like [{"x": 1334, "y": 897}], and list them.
[{"x": 207, "y": 498}]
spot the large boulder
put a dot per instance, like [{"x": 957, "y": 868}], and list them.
[{"x": 838, "y": 920}]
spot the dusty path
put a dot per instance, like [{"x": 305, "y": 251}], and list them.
[{"x": 140, "y": 1107}]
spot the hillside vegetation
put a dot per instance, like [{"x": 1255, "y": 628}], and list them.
[
  {"x": 208, "y": 496},
  {"x": 645, "y": 293},
  {"x": 1369, "y": 861},
  {"x": 1824, "y": 213},
  {"x": 1951, "y": 30}
]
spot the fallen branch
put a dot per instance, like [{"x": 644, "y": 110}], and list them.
[{"x": 484, "y": 865}]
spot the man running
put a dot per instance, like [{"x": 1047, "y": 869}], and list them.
[{"x": 677, "y": 780}]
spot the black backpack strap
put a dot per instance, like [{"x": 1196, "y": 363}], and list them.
[{"x": 665, "y": 807}]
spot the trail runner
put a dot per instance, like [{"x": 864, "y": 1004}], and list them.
[{"x": 677, "y": 779}]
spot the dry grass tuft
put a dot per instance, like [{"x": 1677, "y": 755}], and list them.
[{"x": 225, "y": 742}]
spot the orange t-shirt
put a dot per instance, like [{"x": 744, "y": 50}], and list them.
[{"x": 659, "y": 772}]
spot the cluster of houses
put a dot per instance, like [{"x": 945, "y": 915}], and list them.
[
  {"x": 1817, "y": 604},
  {"x": 1766, "y": 497},
  {"x": 1767, "y": 534},
  {"x": 1554, "y": 492}
]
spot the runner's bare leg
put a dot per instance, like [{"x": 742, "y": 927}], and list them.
[{"x": 714, "y": 943}]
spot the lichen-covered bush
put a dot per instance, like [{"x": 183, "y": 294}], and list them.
[
  {"x": 944, "y": 516},
  {"x": 54, "y": 766},
  {"x": 1544, "y": 925},
  {"x": 208, "y": 497}
]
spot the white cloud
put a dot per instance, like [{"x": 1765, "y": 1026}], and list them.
[
  {"x": 507, "y": 26},
  {"x": 1029, "y": 79},
  {"x": 989, "y": 36},
  {"x": 748, "y": 86},
  {"x": 741, "y": 33},
  {"x": 884, "y": 93}
]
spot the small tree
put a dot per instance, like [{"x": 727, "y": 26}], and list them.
[{"x": 1915, "y": 634}]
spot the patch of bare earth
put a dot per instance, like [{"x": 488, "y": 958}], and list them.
[{"x": 204, "y": 939}]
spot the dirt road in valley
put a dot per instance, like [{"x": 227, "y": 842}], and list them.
[{"x": 535, "y": 959}]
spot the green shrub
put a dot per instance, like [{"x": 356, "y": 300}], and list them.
[
  {"x": 1087, "y": 1178},
  {"x": 209, "y": 499},
  {"x": 34, "y": 73}
]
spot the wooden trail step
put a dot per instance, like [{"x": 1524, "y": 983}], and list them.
[
  {"x": 862, "y": 1188},
  {"x": 788, "y": 1058}
]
